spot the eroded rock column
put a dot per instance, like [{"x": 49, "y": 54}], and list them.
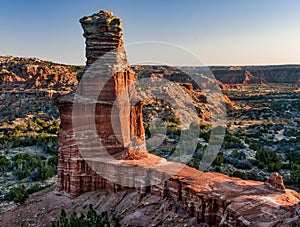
[{"x": 103, "y": 110}]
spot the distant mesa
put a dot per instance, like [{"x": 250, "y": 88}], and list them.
[{"x": 257, "y": 74}]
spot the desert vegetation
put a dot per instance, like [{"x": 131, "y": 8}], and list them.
[
  {"x": 91, "y": 218},
  {"x": 28, "y": 159}
]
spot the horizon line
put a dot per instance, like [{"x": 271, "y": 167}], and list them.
[{"x": 210, "y": 65}]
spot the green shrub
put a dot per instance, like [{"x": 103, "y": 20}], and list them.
[
  {"x": 53, "y": 161},
  {"x": 247, "y": 140},
  {"x": 18, "y": 136},
  {"x": 17, "y": 194},
  {"x": 88, "y": 220},
  {"x": 238, "y": 174},
  {"x": 266, "y": 157},
  {"x": 294, "y": 157},
  {"x": 173, "y": 130},
  {"x": 20, "y": 193},
  {"x": 34, "y": 188},
  {"x": 195, "y": 162},
  {"x": 219, "y": 159},
  {"x": 253, "y": 161},
  {"x": 295, "y": 173},
  {"x": 205, "y": 136},
  {"x": 255, "y": 146},
  {"x": 4, "y": 163},
  {"x": 45, "y": 172},
  {"x": 5, "y": 142},
  {"x": 286, "y": 166},
  {"x": 21, "y": 171},
  {"x": 15, "y": 142},
  {"x": 25, "y": 165},
  {"x": 218, "y": 169},
  {"x": 231, "y": 141},
  {"x": 274, "y": 166},
  {"x": 261, "y": 165}
]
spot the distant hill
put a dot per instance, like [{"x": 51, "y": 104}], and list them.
[
  {"x": 258, "y": 74},
  {"x": 33, "y": 73},
  {"x": 28, "y": 85},
  {"x": 232, "y": 74}
]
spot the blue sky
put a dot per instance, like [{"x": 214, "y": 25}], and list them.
[{"x": 220, "y": 32}]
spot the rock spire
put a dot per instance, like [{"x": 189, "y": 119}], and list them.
[{"x": 102, "y": 111}]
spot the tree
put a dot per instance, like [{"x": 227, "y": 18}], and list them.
[
  {"x": 295, "y": 173},
  {"x": 17, "y": 194},
  {"x": 45, "y": 172},
  {"x": 4, "y": 162},
  {"x": 34, "y": 188},
  {"x": 53, "y": 161},
  {"x": 238, "y": 174},
  {"x": 91, "y": 219},
  {"x": 219, "y": 159},
  {"x": 261, "y": 165},
  {"x": 269, "y": 158},
  {"x": 24, "y": 164}
]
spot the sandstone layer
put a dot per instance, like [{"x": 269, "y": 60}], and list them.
[
  {"x": 188, "y": 198},
  {"x": 212, "y": 198}
]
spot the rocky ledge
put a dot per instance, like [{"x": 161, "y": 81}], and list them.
[
  {"x": 189, "y": 198},
  {"x": 210, "y": 198}
]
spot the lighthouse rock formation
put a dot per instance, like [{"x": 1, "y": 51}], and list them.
[{"x": 92, "y": 112}]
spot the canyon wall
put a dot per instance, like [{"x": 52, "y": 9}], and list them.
[
  {"x": 121, "y": 161},
  {"x": 258, "y": 74},
  {"x": 225, "y": 74},
  {"x": 28, "y": 86}
]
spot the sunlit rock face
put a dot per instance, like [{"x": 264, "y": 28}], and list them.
[
  {"x": 276, "y": 181},
  {"x": 93, "y": 116},
  {"x": 103, "y": 33}
]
